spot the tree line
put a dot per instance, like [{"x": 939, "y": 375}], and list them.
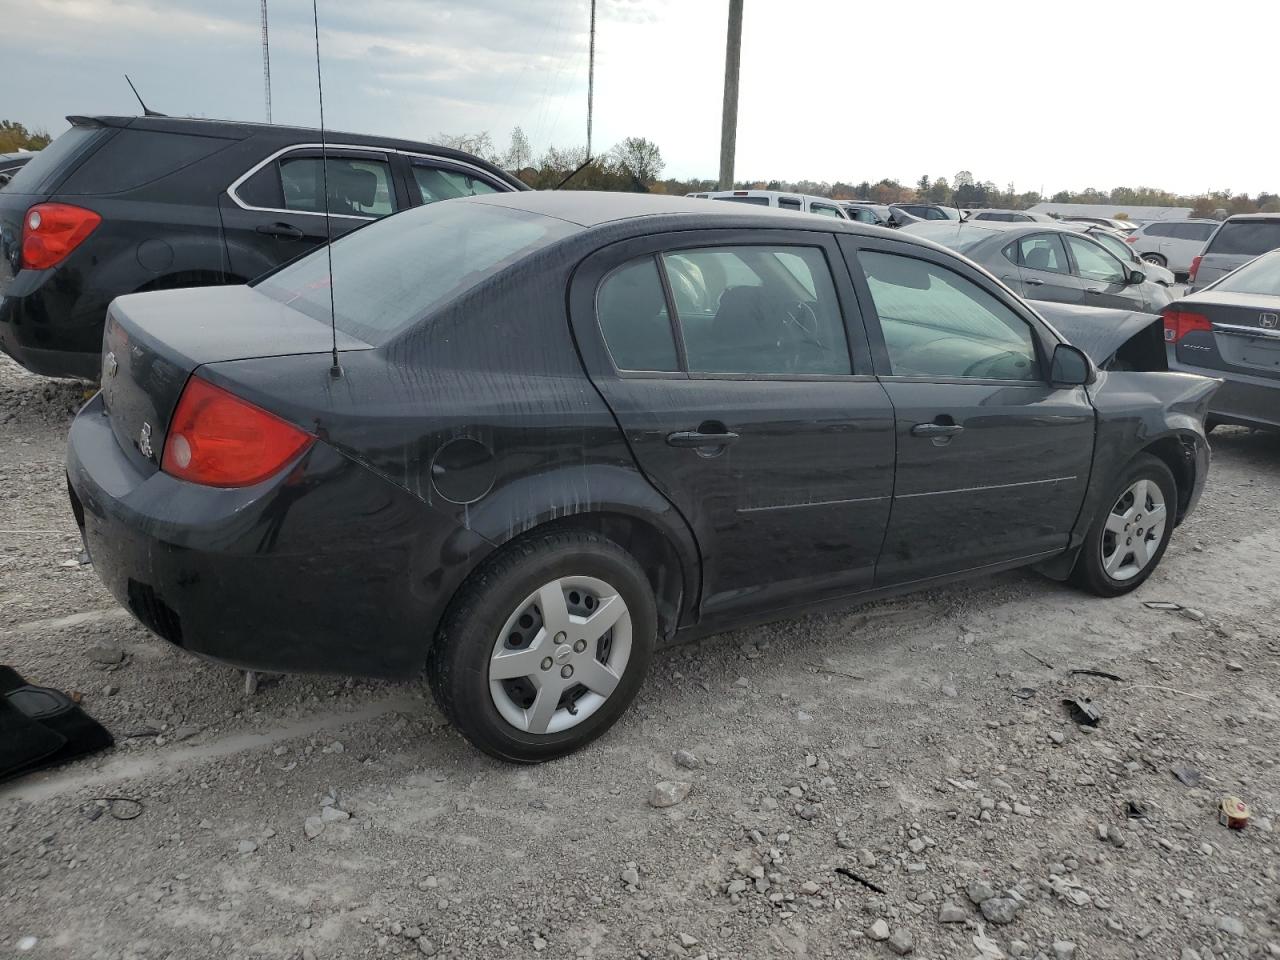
[{"x": 14, "y": 137}]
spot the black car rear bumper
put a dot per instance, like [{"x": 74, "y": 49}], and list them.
[
  {"x": 325, "y": 568},
  {"x": 48, "y": 329}
]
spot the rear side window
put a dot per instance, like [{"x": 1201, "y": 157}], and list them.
[
  {"x": 824, "y": 210},
  {"x": 1193, "y": 231},
  {"x": 632, "y": 310},
  {"x": 134, "y": 158},
  {"x": 767, "y": 310},
  {"x": 357, "y": 187},
  {"x": 937, "y": 323},
  {"x": 1244, "y": 237},
  {"x": 1159, "y": 230},
  {"x": 395, "y": 272},
  {"x": 46, "y": 167},
  {"x": 1043, "y": 251},
  {"x": 439, "y": 183},
  {"x": 789, "y": 203}
]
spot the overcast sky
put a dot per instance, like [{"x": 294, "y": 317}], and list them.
[{"x": 1047, "y": 95}]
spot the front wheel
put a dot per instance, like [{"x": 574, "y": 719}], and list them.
[
  {"x": 545, "y": 647},
  {"x": 1126, "y": 542}
]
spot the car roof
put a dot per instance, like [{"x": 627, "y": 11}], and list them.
[
  {"x": 713, "y": 194},
  {"x": 1249, "y": 216},
  {"x": 591, "y": 208}
]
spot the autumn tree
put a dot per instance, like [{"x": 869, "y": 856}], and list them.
[
  {"x": 14, "y": 137},
  {"x": 519, "y": 155},
  {"x": 638, "y": 157}
]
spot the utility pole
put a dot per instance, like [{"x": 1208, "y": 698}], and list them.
[
  {"x": 266, "y": 62},
  {"x": 591, "y": 74},
  {"x": 729, "y": 121}
]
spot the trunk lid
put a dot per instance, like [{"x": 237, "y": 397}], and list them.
[
  {"x": 154, "y": 341},
  {"x": 1245, "y": 337}
]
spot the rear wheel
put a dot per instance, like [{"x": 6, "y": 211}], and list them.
[
  {"x": 1126, "y": 542},
  {"x": 1155, "y": 258},
  {"x": 545, "y": 647}
]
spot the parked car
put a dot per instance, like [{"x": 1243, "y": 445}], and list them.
[
  {"x": 1172, "y": 243},
  {"x": 802, "y": 202},
  {"x": 865, "y": 211},
  {"x": 518, "y": 473},
  {"x": 1237, "y": 241},
  {"x": 1117, "y": 244},
  {"x": 122, "y": 204},
  {"x": 906, "y": 213},
  {"x": 1045, "y": 261},
  {"x": 1112, "y": 223},
  {"x": 1231, "y": 329},
  {"x": 11, "y": 163},
  {"x": 1009, "y": 216}
]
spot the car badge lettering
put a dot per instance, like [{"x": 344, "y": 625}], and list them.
[
  {"x": 1269, "y": 320},
  {"x": 144, "y": 440}
]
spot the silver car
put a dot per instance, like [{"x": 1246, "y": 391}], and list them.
[
  {"x": 1231, "y": 329},
  {"x": 1045, "y": 261},
  {"x": 1009, "y": 216},
  {"x": 1237, "y": 241},
  {"x": 1172, "y": 243}
]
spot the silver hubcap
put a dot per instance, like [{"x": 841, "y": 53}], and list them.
[
  {"x": 1134, "y": 530},
  {"x": 560, "y": 655}
]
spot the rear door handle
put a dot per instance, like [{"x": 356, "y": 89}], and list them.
[
  {"x": 696, "y": 438},
  {"x": 936, "y": 429},
  {"x": 1033, "y": 282},
  {"x": 286, "y": 230}
]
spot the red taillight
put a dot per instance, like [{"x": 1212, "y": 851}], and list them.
[
  {"x": 1178, "y": 323},
  {"x": 51, "y": 231},
  {"x": 219, "y": 440},
  {"x": 1131, "y": 238},
  {"x": 1195, "y": 266}
]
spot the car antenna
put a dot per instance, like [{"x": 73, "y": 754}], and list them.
[
  {"x": 335, "y": 371},
  {"x": 146, "y": 111},
  {"x": 591, "y": 89}
]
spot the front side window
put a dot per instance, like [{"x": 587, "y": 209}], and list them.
[
  {"x": 768, "y": 310},
  {"x": 357, "y": 187},
  {"x": 632, "y": 310},
  {"x": 937, "y": 323},
  {"x": 440, "y": 183},
  {"x": 1094, "y": 263},
  {"x": 1044, "y": 251}
]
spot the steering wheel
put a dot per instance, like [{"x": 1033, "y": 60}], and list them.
[{"x": 803, "y": 319}]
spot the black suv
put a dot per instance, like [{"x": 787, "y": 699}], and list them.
[{"x": 121, "y": 205}]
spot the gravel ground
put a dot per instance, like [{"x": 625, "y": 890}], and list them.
[{"x": 898, "y": 779}]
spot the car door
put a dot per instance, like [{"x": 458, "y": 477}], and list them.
[
  {"x": 749, "y": 402},
  {"x": 1105, "y": 279},
  {"x": 276, "y": 210},
  {"x": 993, "y": 460},
  {"x": 1042, "y": 269}
]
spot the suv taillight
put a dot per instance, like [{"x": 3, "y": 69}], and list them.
[
  {"x": 1132, "y": 237},
  {"x": 1195, "y": 266},
  {"x": 1178, "y": 323},
  {"x": 51, "y": 231},
  {"x": 219, "y": 440}
]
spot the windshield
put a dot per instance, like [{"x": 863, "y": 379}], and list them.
[
  {"x": 395, "y": 271},
  {"x": 1248, "y": 237},
  {"x": 1261, "y": 276}
]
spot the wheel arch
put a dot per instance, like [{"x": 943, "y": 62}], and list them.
[
  {"x": 1177, "y": 452},
  {"x": 190, "y": 278}
]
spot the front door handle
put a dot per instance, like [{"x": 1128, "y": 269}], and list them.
[
  {"x": 1033, "y": 282},
  {"x": 936, "y": 430},
  {"x": 696, "y": 438},
  {"x": 283, "y": 230}
]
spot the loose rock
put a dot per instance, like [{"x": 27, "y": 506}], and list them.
[{"x": 667, "y": 793}]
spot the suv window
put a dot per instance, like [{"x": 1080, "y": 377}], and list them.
[
  {"x": 438, "y": 183},
  {"x": 1094, "y": 263},
  {"x": 133, "y": 158},
  {"x": 1193, "y": 231},
  {"x": 41, "y": 170},
  {"x": 1043, "y": 251},
  {"x": 789, "y": 203},
  {"x": 758, "y": 310},
  {"x": 1247, "y": 237},
  {"x": 937, "y": 323},
  {"x": 758, "y": 201},
  {"x": 1158, "y": 230},
  {"x": 632, "y": 310},
  {"x": 824, "y": 210},
  {"x": 357, "y": 187}
]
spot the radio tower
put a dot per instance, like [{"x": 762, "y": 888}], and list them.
[{"x": 266, "y": 62}]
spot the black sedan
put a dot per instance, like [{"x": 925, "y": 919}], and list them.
[
  {"x": 1231, "y": 329},
  {"x": 549, "y": 432}
]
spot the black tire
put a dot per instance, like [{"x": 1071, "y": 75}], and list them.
[
  {"x": 1089, "y": 572},
  {"x": 1155, "y": 258},
  {"x": 458, "y": 664}
]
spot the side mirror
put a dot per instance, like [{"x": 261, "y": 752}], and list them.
[
  {"x": 1070, "y": 367},
  {"x": 1136, "y": 276}
]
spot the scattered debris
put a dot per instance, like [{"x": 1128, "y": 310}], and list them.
[
  {"x": 1025, "y": 693},
  {"x": 1188, "y": 776},
  {"x": 1098, "y": 673},
  {"x": 846, "y": 872},
  {"x": 1233, "y": 812},
  {"x": 1044, "y": 663},
  {"x": 1083, "y": 711},
  {"x": 901, "y": 942},
  {"x": 120, "y": 808},
  {"x": 1161, "y": 605},
  {"x": 667, "y": 793},
  {"x": 878, "y": 930},
  {"x": 687, "y": 759}
]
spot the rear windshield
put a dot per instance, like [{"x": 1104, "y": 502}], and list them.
[
  {"x": 45, "y": 167},
  {"x": 1248, "y": 237},
  {"x": 1257, "y": 276},
  {"x": 759, "y": 201},
  {"x": 393, "y": 272}
]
